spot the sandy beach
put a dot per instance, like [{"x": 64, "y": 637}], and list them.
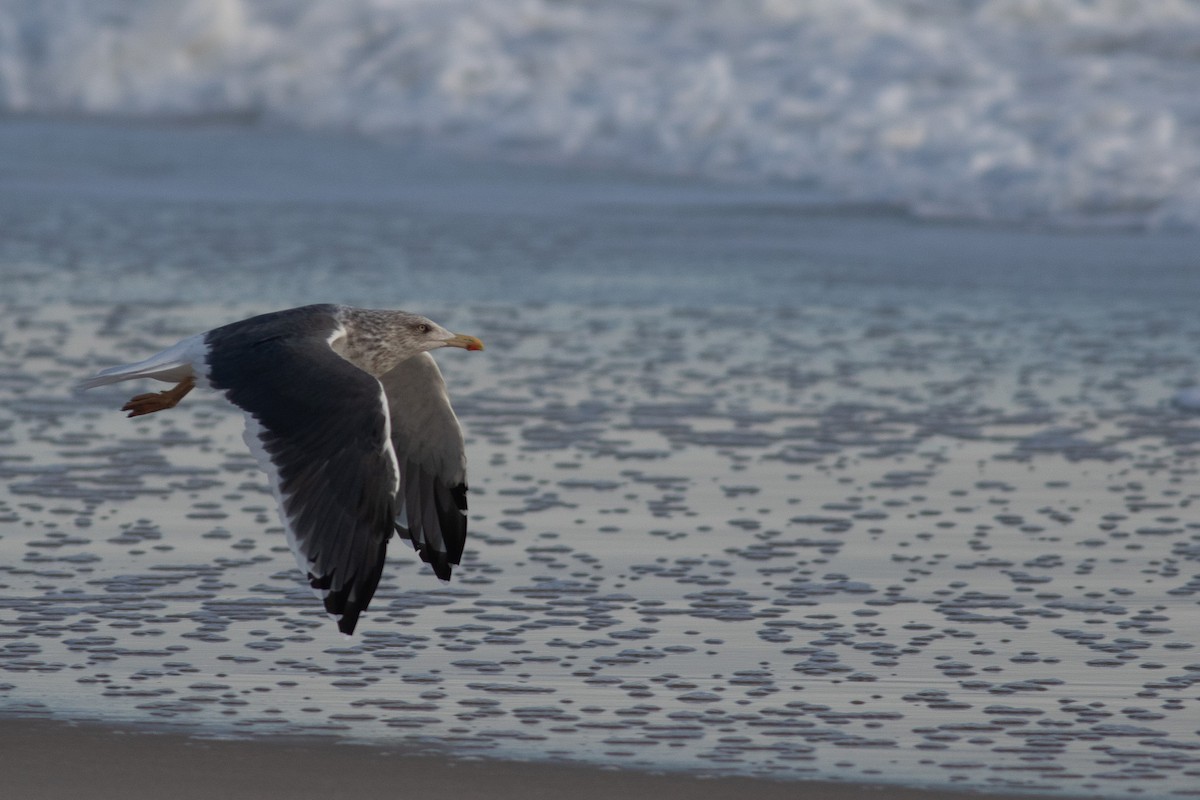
[{"x": 46, "y": 761}]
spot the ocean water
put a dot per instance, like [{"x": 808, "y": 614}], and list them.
[
  {"x": 758, "y": 486},
  {"x": 98, "y": 211},
  {"x": 1054, "y": 113}
]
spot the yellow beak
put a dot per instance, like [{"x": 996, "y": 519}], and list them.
[{"x": 463, "y": 341}]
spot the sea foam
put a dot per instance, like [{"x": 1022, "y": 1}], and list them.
[{"x": 1059, "y": 113}]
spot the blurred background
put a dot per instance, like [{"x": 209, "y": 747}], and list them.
[{"x": 1054, "y": 113}]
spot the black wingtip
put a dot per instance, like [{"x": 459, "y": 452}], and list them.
[
  {"x": 347, "y": 603},
  {"x": 347, "y": 622},
  {"x": 441, "y": 568},
  {"x": 441, "y": 563},
  {"x": 346, "y": 612}
]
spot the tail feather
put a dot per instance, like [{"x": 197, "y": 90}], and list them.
[
  {"x": 172, "y": 365},
  {"x": 124, "y": 372}
]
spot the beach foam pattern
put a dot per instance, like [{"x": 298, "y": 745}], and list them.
[{"x": 1064, "y": 113}]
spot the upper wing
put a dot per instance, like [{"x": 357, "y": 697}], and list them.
[
  {"x": 431, "y": 502},
  {"x": 319, "y": 428}
]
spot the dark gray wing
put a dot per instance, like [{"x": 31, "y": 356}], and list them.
[
  {"x": 318, "y": 426},
  {"x": 431, "y": 503}
]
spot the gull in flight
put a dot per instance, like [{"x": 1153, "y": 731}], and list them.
[{"x": 348, "y": 415}]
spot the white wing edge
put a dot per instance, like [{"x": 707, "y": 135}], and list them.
[
  {"x": 389, "y": 449},
  {"x": 252, "y": 435}
]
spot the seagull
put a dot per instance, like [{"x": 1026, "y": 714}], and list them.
[{"x": 348, "y": 415}]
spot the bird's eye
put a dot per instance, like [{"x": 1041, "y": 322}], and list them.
[{"x": 423, "y": 328}]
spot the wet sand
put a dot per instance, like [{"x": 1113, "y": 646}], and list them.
[
  {"x": 48, "y": 761},
  {"x": 878, "y": 544}
]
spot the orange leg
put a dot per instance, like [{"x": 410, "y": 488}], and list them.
[{"x": 157, "y": 401}]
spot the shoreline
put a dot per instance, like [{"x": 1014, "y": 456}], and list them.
[{"x": 126, "y": 763}]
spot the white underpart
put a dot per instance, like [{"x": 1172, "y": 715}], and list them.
[
  {"x": 252, "y": 435},
  {"x": 182, "y": 360},
  {"x": 389, "y": 451},
  {"x": 338, "y": 334}
]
